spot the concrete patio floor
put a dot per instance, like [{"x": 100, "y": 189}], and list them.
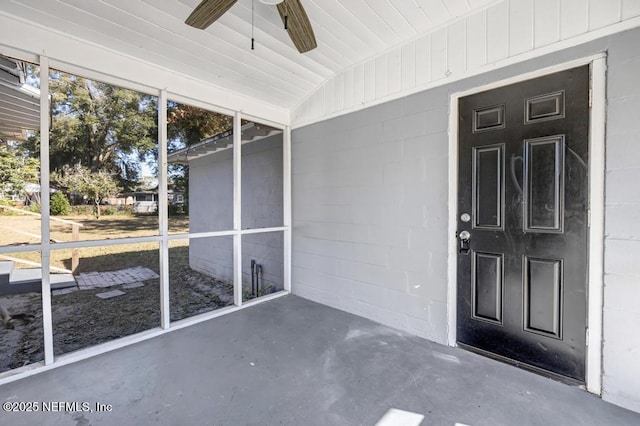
[{"x": 291, "y": 361}]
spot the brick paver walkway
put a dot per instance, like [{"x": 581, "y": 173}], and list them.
[{"x": 107, "y": 279}]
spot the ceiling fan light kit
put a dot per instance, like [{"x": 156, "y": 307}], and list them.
[{"x": 293, "y": 15}]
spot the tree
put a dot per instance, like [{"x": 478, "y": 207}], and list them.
[
  {"x": 101, "y": 126},
  {"x": 17, "y": 170},
  {"x": 95, "y": 185},
  {"x": 187, "y": 124},
  {"x": 59, "y": 205},
  {"x": 107, "y": 128}
]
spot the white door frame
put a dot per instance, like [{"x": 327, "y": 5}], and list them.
[{"x": 596, "y": 207}]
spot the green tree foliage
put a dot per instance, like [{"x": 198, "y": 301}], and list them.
[
  {"x": 59, "y": 204},
  {"x": 103, "y": 127},
  {"x": 187, "y": 125},
  {"x": 95, "y": 185},
  {"x": 16, "y": 170}
]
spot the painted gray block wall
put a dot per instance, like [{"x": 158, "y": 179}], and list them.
[
  {"x": 370, "y": 210},
  {"x": 262, "y": 207},
  {"x": 622, "y": 225},
  {"x": 211, "y": 209}
]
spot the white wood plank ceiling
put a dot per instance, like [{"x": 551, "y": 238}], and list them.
[{"x": 347, "y": 31}]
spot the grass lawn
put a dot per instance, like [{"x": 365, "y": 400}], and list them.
[{"x": 26, "y": 229}]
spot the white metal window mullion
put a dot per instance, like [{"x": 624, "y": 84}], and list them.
[
  {"x": 165, "y": 315},
  {"x": 45, "y": 258},
  {"x": 286, "y": 204},
  {"x": 237, "y": 208}
]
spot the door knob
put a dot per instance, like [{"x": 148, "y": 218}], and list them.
[{"x": 464, "y": 238}]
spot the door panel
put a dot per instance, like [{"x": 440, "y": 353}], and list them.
[
  {"x": 523, "y": 155},
  {"x": 544, "y": 184},
  {"x": 488, "y": 187},
  {"x": 545, "y": 107},
  {"x": 487, "y": 286},
  {"x": 543, "y": 296}
]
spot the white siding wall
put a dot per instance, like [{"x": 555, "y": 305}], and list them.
[{"x": 508, "y": 31}]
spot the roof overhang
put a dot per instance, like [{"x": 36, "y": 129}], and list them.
[
  {"x": 19, "y": 102},
  {"x": 251, "y": 132}
]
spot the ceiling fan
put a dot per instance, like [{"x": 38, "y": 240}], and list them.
[{"x": 293, "y": 15}]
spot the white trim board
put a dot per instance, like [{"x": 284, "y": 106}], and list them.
[{"x": 596, "y": 205}]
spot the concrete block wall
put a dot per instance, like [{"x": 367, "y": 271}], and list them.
[
  {"x": 370, "y": 213},
  {"x": 621, "y": 378},
  {"x": 370, "y": 210},
  {"x": 212, "y": 256},
  {"x": 267, "y": 250},
  {"x": 211, "y": 209},
  {"x": 262, "y": 183},
  {"x": 262, "y": 207}
]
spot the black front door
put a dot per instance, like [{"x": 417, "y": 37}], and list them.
[{"x": 522, "y": 221}]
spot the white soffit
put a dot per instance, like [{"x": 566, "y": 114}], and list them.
[{"x": 348, "y": 32}]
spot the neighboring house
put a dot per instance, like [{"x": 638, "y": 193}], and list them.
[
  {"x": 145, "y": 202},
  {"x": 175, "y": 198},
  {"x": 30, "y": 193},
  {"x": 120, "y": 200}
]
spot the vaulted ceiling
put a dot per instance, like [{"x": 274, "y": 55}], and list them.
[{"x": 347, "y": 31}]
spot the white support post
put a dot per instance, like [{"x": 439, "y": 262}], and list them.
[
  {"x": 165, "y": 317},
  {"x": 452, "y": 242},
  {"x": 45, "y": 258},
  {"x": 286, "y": 204},
  {"x": 596, "y": 231},
  {"x": 237, "y": 208}
]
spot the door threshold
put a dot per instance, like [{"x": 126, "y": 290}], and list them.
[{"x": 537, "y": 370}]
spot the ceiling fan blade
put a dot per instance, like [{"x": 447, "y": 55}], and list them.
[
  {"x": 298, "y": 25},
  {"x": 207, "y": 12}
]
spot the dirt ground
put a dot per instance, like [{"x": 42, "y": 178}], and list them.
[{"x": 80, "y": 319}]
